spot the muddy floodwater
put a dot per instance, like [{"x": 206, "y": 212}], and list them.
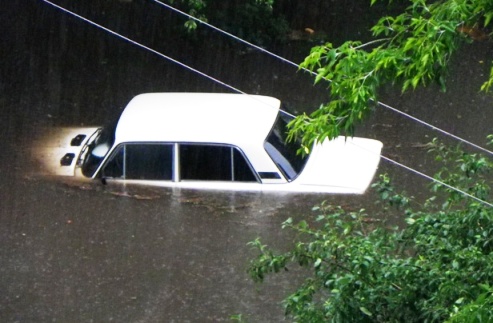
[
  {"x": 79, "y": 251},
  {"x": 75, "y": 251}
]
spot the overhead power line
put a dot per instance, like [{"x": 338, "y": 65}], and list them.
[
  {"x": 155, "y": 52},
  {"x": 428, "y": 177},
  {"x": 285, "y": 60},
  {"x": 239, "y": 91},
  {"x": 142, "y": 46}
]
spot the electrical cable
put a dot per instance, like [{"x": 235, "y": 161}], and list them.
[
  {"x": 417, "y": 172},
  {"x": 285, "y": 60},
  {"x": 139, "y": 45},
  {"x": 133, "y": 42}
]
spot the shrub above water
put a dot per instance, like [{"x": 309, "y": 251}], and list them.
[{"x": 437, "y": 268}]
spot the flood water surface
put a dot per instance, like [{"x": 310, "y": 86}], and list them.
[
  {"x": 84, "y": 252},
  {"x": 74, "y": 251}
]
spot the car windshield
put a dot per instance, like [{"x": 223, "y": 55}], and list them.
[
  {"x": 284, "y": 153},
  {"x": 97, "y": 149}
]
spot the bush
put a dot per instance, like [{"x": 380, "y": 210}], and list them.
[
  {"x": 253, "y": 20},
  {"x": 438, "y": 267}
]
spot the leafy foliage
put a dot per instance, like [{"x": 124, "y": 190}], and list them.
[
  {"x": 195, "y": 8},
  {"x": 252, "y": 20},
  {"x": 437, "y": 268},
  {"x": 413, "y": 48}
]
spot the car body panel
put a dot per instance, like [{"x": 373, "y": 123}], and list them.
[
  {"x": 342, "y": 165},
  {"x": 56, "y": 143},
  {"x": 198, "y": 117},
  {"x": 243, "y": 121},
  {"x": 348, "y": 164}
]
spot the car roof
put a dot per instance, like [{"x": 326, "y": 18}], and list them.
[{"x": 236, "y": 119}]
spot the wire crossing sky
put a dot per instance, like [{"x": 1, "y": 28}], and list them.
[
  {"x": 239, "y": 91},
  {"x": 285, "y": 60}
]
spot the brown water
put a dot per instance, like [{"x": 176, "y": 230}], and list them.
[{"x": 83, "y": 252}]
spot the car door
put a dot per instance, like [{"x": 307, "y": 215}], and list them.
[
  {"x": 140, "y": 162},
  {"x": 213, "y": 166}
]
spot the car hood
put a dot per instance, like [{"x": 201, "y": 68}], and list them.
[
  {"x": 341, "y": 165},
  {"x": 57, "y": 150}
]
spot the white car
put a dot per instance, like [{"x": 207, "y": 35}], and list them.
[{"x": 214, "y": 141}]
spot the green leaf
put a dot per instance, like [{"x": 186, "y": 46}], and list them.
[
  {"x": 365, "y": 311},
  {"x": 487, "y": 18},
  {"x": 455, "y": 264}
]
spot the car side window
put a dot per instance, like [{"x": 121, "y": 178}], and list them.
[
  {"x": 147, "y": 161},
  {"x": 213, "y": 163}
]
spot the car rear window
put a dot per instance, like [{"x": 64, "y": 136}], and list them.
[{"x": 283, "y": 153}]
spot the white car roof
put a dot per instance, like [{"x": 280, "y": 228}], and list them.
[{"x": 237, "y": 119}]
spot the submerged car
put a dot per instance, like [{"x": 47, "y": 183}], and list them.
[{"x": 214, "y": 141}]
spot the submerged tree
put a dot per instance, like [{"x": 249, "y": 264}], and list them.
[{"x": 411, "y": 49}]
